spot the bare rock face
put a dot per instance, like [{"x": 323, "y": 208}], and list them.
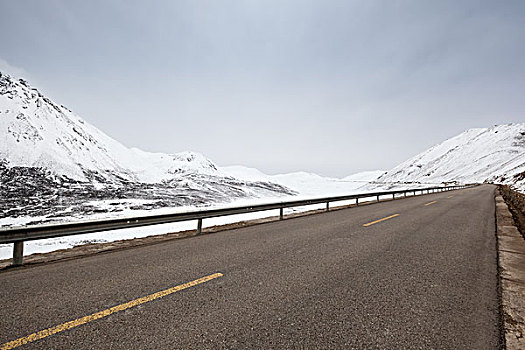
[{"x": 55, "y": 166}]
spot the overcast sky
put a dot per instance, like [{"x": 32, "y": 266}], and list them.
[{"x": 332, "y": 87}]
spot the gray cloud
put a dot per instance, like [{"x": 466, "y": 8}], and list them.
[{"x": 331, "y": 87}]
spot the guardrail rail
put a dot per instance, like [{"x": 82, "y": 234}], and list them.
[{"x": 18, "y": 235}]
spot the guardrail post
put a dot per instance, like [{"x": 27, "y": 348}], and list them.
[
  {"x": 393, "y": 196},
  {"x": 357, "y": 202},
  {"x": 405, "y": 193},
  {"x": 281, "y": 213},
  {"x": 199, "y": 226},
  {"x": 18, "y": 253},
  {"x": 378, "y": 198},
  {"x": 327, "y": 206}
]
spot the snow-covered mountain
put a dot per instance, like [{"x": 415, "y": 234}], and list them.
[
  {"x": 36, "y": 132},
  {"x": 495, "y": 154},
  {"x": 54, "y": 164}
]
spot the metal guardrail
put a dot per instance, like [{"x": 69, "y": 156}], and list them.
[{"x": 18, "y": 235}]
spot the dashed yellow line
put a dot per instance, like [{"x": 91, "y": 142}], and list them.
[
  {"x": 429, "y": 203},
  {"x": 90, "y": 318},
  {"x": 383, "y": 219}
]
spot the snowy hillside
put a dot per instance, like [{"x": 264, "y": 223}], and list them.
[
  {"x": 495, "y": 154},
  {"x": 54, "y": 165}
]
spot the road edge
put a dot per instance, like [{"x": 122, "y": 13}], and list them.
[{"x": 511, "y": 263}]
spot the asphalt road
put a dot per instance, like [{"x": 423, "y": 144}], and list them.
[{"x": 424, "y": 279}]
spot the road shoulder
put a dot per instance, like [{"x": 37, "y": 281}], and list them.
[{"x": 511, "y": 253}]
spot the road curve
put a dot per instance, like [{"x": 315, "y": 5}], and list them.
[{"x": 414, "y": 273}]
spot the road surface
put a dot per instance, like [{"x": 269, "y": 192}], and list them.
[{"x": 414, "y": 273}]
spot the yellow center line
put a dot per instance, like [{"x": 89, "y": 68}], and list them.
[
  {"x": 90, "y": 318},
  {"x": 431, "y": 203},
  {"x": 450, "y": 196},
  {"x": 383, "y": 219}
]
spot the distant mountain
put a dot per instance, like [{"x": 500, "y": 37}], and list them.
[
  {"x": 307, "y": 184},
  {"x": 364, "y": 176},
  {"x": 495, "y": 154},
  {"x": 55, "y": 165}
]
